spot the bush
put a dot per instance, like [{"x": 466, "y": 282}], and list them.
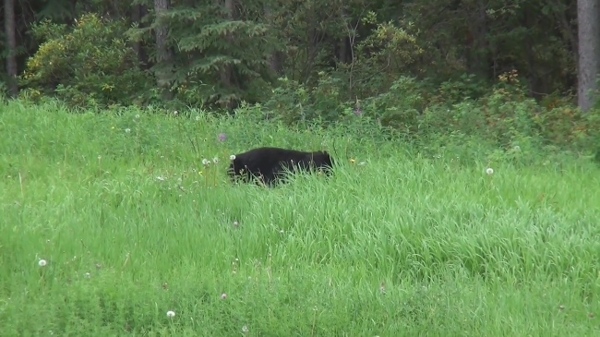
[
  {"x": 88, "y": 65},
  {"x": 293, "y": 103}
]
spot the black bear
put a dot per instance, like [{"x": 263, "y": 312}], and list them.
[{"x": 270, "y": 164}]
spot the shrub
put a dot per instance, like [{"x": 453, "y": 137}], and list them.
[
  {"x": 292, "y": 102},
  {"x": 88, "y": 65}
]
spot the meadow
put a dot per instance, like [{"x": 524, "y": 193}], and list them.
[{"x": 111, "y": 225}]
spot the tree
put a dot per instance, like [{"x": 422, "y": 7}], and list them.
[
  {"x": 164, "y": 55},
  {"x": 588, "y": 17},
  {"x": 10, "y": 29}
]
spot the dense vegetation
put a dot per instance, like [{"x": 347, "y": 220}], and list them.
[
  {"x": 218, "y": 54},
  {"x": 111, "y": 226},
  {"x": 402, "y": 64}
]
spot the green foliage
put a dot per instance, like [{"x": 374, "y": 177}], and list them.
[
  {"x": 88, "y": 65},
  {"x": 466, "y": 87},
  {"x": 220, "y": 61},
  {"x": 388, "y": 51},
  {"x": 223, "y": 56},
  {"x": 309, "y": 32},
  {"x": 289, "y": 102},
  {"x": 400, "y": 107},
  {"x": 488, "y": 38},
  {"x": 509, "y": 113},
  {"x": 415, "y": 110},
  {"x": 292, "y": 102}
]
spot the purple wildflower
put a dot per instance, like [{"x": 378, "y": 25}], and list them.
[{"x": 222, "y": 137}]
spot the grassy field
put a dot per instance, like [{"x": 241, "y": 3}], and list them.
[{"x": 110, "y": 225}]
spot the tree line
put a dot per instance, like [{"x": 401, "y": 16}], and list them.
[{"x": 220, "y": 53}]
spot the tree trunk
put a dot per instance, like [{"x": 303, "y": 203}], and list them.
[
  {"x": 588, "y": 18},
  {"x": 138, "y": 12},
  {"x": 478, "y": 56},
  {"x": 10, "y": 29},
  {"x": 164, "y": 55},
  {"x": 227, "y": 71},
  {"x": 276, "y": 57}
]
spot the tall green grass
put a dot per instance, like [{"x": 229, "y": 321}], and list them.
[{"x": 132, "y": 225}]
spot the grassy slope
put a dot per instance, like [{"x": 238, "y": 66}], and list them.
[{"x": 132, "y": 226}]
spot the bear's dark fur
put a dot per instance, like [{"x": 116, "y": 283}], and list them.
[{"x": 269, "y": 164}]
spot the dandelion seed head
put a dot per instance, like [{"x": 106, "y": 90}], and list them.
[
  {"x": 232, "y": 157},
  {"x": 205, "y": 161},
  {"x": 245, "y": 329},
  {"x": 42, "y": 263},
  {"x": 489, "y": 171},
  {"x": 128, "y": 130},
  {"x": 170, "y": 314},
  {"x": 223, "y": 296},
  {"x": 215, "y": 160}
]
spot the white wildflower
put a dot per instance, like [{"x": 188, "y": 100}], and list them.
[
  {"x": 170, "y": 313},
  {"x": 42, "y": 263},
  {"x": 232, "y": 157},
  {"x": 489, "y": 171}
]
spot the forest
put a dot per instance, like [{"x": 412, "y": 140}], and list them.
[{"x": 284, "y": 53}]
